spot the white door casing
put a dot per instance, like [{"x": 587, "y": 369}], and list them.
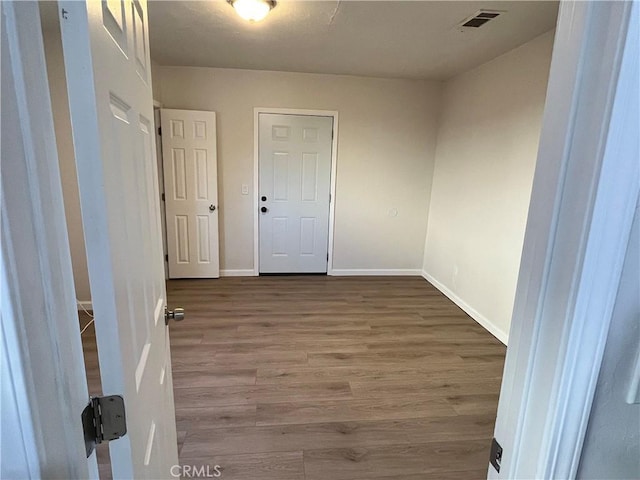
[
  {"x": 107, "y": 61},
  {"x": 294, "y": 189},
  {"x": 43, "y": 386},
  {"x": 583, "y": 200},
  {"x": 191, "y": 192},
  {"x": 163, "y": 212}
]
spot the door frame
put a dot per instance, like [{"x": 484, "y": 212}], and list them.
[
  {"x": 256, "y": 176},
  {"x": 40, "y": 347},
  {"x": 574, "y": 246},
  {"x": 61, "y": 337},
  {"x": 157, "y": 106}
]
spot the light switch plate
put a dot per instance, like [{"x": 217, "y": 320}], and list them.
[{"x": 245, "y": 189}]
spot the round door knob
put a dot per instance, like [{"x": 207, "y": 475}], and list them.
[
  {"x": 264, "y": 209},
  {"x": 178, "y": 314},
  {"x": 264, "y": 199},
  {"x": 212, "y": 208}
]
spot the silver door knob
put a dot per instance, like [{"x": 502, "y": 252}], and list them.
[
  {"x": 176, "y": 314},
  {"x": 212, "y": 208}
]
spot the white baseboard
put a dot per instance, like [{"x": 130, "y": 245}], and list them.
[
  {"x": 473, "y": 313},
  {"x": 237, "y": 273},
  {"x": 85, "y": 304},
  {"x": 370, "y": 272},
  {"x": 334, "y": 272}
]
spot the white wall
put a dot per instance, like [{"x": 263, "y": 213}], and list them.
[
  {"x": 612, "y": 444},
  {"x": 155, "y": 82},
  {"x": 486, "y": 152},
  {"x": 66, "y": 156},
  {"x": 385, "y": 158}
]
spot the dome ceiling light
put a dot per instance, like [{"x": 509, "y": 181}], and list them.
[{"x": 252, "y": 10}]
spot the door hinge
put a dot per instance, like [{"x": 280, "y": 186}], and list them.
[
  {"x": 103, "y": 420},
  {"x": 329, "y": 198},
  {"x": 163, "y": 198},
  {"x": 160, "y": 131},
  {"x": 166, "y": 257}
]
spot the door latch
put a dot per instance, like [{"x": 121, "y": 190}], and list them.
[
  {"x": 103, "y": 420},
  {"x": 496, "y": 455}
]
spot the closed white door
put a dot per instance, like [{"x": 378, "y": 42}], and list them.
[
  {"x": 294, "y": 192},
  {"x": 191, "y": 192},
  {"x": 106, "y": 54}
]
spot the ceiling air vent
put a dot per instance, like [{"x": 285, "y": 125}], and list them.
[{"x": 480, "y": 18}]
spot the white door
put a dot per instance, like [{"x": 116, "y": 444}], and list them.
[
  {"x": 294, "y": 188},
  {"x": 106, "y": 53},
  {"x": 191, "y": 191}
]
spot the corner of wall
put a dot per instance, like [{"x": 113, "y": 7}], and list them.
[
  {"x": 512, "y": 83},
  {"x": 434, "y": 130},
  {"x": 473, "y": 313}
]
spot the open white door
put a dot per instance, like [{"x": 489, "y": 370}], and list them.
[
  {"x": 190, "y": 166},
  {"x": 106, "y": 53}
]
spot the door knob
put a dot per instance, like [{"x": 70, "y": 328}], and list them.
[
  {"x": 264, "y": 199},
  {"x": 212, "y": 208},
  {"x": 176, "y": 314},
  {"x": 264, "y": 209}
]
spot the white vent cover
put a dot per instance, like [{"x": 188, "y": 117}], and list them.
[{"x": 480, "y": 18}]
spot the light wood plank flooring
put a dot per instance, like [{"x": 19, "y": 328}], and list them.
[{"x": 332, "y": 378}]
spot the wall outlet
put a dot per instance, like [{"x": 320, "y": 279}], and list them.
[{"x": 245, "y": 189}]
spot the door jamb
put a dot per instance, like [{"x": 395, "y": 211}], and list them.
[
  {"x": 584, "y": 195},
  {"x": 256, "y": 154},
  {"x": 157, "y": 107},
  {"x": 44, "y": 374}
]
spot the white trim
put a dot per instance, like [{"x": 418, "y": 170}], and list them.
[
  {"x": 492, "y": 328},
  {"x": 370, "y": 272},
  {"x": 84, "y": 305},
  {"x": 45, "y": 380},
  {"x": 256, "y": 157},
  {"x": 584, "y": 193},
  {"x": 237, "y": 273},
  {"x": 256, "y": 201},
  {"x": 157, "y": 108}
]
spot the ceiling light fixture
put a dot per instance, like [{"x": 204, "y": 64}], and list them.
[{"x": 252, "y": 10}]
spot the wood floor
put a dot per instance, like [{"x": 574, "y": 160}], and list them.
[{"x": 332, "y": 378}]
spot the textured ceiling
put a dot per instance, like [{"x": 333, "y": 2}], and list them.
[{"x": 415, "y": 39}]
